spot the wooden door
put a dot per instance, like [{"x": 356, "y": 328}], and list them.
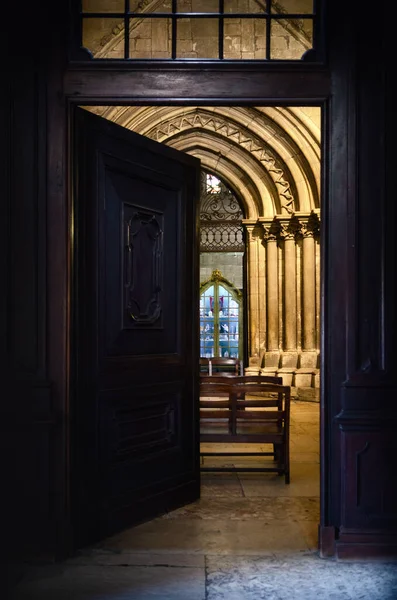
[{"x": 135, "y": 350}]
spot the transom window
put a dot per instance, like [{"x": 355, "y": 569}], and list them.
[{"x": 270, "y": 30}]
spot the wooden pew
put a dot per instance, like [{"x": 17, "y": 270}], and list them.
[
  {"x": 212, "y": 379},
  {"x": 228, "y": 416},
  {"x": 204, "y": 366},
  {"x": 225, "y": 366}
]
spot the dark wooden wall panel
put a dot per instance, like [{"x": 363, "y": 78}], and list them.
[
  {"x": 369, "y": 456},
  {"x": 28, "y": 420},
  {"x": 366, "y": 521},
  {"x": 27, "y": 209}
]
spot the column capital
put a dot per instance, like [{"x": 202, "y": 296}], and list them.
[
  {"x": 271, "y": 232},
  {"x": 254, "y": 231},
  {"x": 310, "y": 226},
  {"x": 289, "y": 229}
]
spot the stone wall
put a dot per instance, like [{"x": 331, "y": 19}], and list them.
[{"x": 229, "y": 263}]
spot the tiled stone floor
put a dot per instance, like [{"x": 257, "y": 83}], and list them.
[{"x": 249, "y": 537}]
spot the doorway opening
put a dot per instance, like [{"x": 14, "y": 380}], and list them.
[
  {"x": 268, "y": 161},
  {"x": 268, "y": 286}
]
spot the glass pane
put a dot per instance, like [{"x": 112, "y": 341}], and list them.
[
  {"x": 161, "y": 6},
  {"x": 197, "y": 38},
  {"x": 291, "y": 38},
  {"x": 207, "y": 323},
  {"x": 150, "y": 38},
  {"x": 302, "y": 7},
  {"x": 213, "y": 184},
  {"x": 198, "y": 6},
  {"x": 244, "y": 39},
  {"x": 104, "y": 38},
  {"x": 103, "y": 6},
  {"x": 245, "y": 6}
]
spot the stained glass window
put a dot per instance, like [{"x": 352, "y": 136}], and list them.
[{"x": 220, "y": 322}]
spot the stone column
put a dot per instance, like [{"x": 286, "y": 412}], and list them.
[
  {"x": 253, "y": 234},
  {"x": 272, "y": 354},
  {"x": 289, "y": 358},
  {"x": 309, "y": 293},
  {"x": 308, "y": 360},
  {"x": 318, "y": 306},
  {"x": 288, "y": 233},
  {"x": 309, "y": 287},
  {"x": 262, "y": 294},
  {"x": 272, "y": 290}
]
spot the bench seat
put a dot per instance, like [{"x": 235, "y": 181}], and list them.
[{"x": 233, "y": 416}]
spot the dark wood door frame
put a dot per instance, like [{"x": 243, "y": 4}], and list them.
[
  {"x": 356, "y": 346},
  {"x": 356, "y": 369},
  {"x": 95, "y": 87}
]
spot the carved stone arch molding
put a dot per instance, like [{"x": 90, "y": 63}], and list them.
[
  {"x": 286, "y": 143},
  {"x": 235, "y": 177},
  {"x": 289, "y": 133},
  {"x": 248, "y": 172},
  {"x": 236, "y": 134}
]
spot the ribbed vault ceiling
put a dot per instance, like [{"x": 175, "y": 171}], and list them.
[{"x": 270, "y": 156}]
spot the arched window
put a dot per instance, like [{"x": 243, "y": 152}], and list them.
[{"x": 221, "y": 314}]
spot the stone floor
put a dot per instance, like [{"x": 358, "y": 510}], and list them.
[{"x": 249, "y": 537}]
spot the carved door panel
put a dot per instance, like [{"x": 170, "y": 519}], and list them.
[{"x": 135, "y": 444}]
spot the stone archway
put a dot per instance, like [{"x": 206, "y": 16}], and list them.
[{"x": 270, "y": 156}]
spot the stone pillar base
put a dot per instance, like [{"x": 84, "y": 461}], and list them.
[
  {"x": 254, "y": 362},
  {"x": 304, "y": 378},
  {"x": 287, "y": 374},
  {"x": 308, "y": 359},
  {"x": 271, "y": 359},
  {"x": 317, "y": 378},
  {"x": 307, "y": 394},
  {"x": 289, "y": 359},
  {"x": 252, "y": 371},
  {"x": 269, "y": 371}
]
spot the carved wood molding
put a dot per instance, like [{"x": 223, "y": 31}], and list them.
[
  {"x": 143, "y": 233},
  {"x": 355, "y": 420}
]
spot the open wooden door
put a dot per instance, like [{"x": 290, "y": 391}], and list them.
[{"x": 135, "y": 350}]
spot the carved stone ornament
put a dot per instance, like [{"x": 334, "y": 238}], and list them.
[
  {"x": 311, "y": 227},
  {"x": 272, "y": 233},
  {"x": 254, "y": 232},
  {"x": 217, "y": 277},
  {"x": 220, "y": 217},
  {"x": 289, "y": 229},
  {"x": 219, "y": 205},
  {"x": 238, "y": 134}
]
